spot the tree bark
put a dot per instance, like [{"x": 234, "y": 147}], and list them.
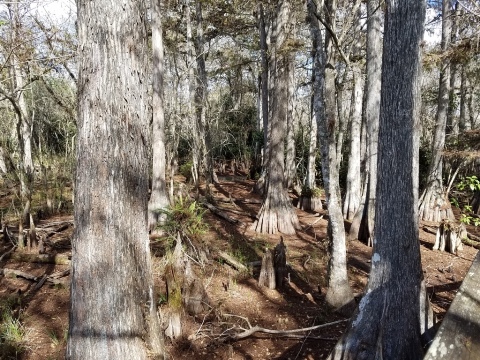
[
  {"x": 24, "y": 120},
  {"x": 277, "y": 213},
  {"x": 113, "y": 311},
  {"x": 434, "y": 204},
  {"x": 353, "y": 190},
  {"x": 387, "y": 322},
  {"x": 260, "y": 186},
  {"x": 202, "y": 135},
  {"x": 362, "y": 225},
  {"x": 267, "y": 272},
  {"x": 158, "y": 196},
  {"x": 339, "y": 292},
  {"x": 290, "y": 170}
]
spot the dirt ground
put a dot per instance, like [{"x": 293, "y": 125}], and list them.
[{"x": 235, "y": 298}]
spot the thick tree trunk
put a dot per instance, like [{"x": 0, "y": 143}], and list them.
[
  {"x": 387, "y": 322},
  {"x": 113, "y": 311},
  {"x": 158, "y": 195},
  {"x": 339, "y": 292},
  {"x": 434, "y": 204},
  {"x": 277, "y": 212}
]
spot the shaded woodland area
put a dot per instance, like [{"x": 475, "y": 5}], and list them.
[{"x": 235, "y": 180}]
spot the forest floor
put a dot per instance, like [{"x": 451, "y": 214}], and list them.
[{"x": 235, "y": 298}]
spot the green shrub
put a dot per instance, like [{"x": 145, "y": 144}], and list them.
[
  {"x": 186, "y": 170},
  {"x": 184, "y": 217},
  {"x": 311, "y": 192},
  {"x": 13, "y": 335}
]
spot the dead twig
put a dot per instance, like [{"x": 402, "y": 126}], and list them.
[{"x": 313, "y": 223}]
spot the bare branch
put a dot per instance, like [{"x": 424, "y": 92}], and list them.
[{"x": 281, "y": 333}]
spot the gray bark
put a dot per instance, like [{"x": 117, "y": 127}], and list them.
[
  {"x": 158, "y": 196},
  {"x": 363, "y": 225},
  {"x": 202, "y": 136},
  {"x": 387, "y": 322},
  {"x": 290, "y": 143},
  {"x": 352, "y": 195},
  {"x": 354, "y": 178},
  {"x": 260, "y": 185},
  {"x": 462, "y": 121},
  {"x": 452, "y": 118},
  {"x": 191, "y": 115},
  {"x": 112, "y": 311},
  {"x": 312, "y": 152},
  {"x": 339, "y": 292},
  {"x": 277, "y": 213},
  {"x": 342, "y": 110},
  {"x": 434, "y": 204},
  {"x": 24, "y": 117}
]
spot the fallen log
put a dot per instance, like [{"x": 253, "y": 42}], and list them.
[
  {"x": 222, "y": 214},
  {"x": 231, "y": 261},
  {"x": 471, "y": 243},
  {"x": 41, "y": 258},
  {"x": 53, "y": 279}
]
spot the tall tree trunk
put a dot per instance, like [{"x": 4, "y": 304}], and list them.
[
  {"x": 260, "y": 186},
  {"x": 387, "y": 322},
  {"x": 352, "y": 195},
  {"x": 452, "y": 118},
  {"x": 158, "y": 195},
  {"x": 462, "y": 121},
  {"x": 24, "y": 121},
  {"x": 112, "y": 311},
  {"x": 363, "y": 224},
  {"x": 434, "y": 204},
  {"x": 309, "y": 199},
  {"x": 339, "y": 292},
  {"x": 191, "y": 111},
  {"x": 277, "y": 213},
  {"x": 312, "y": 148},
  {"x": 203, "y": 134},
  {"x": 354, "y": 179},
  {"x": 290, "y": 143},
  {"x": 342, "y": 110}
]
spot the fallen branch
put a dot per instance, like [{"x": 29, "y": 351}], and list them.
[
  {"x": 53, "y": 279},
  {"x": 473, "y": 237},
  {"x": 313, "y": 223},
  {"x": 221, "y": 214},
  {"x": 471, "y": 243},
  {"x": 42, "y": 258},
  {"x": 233, "y": 200},
  {"x": 231, "y": 261},
  {"x": 283, "y": 333}
]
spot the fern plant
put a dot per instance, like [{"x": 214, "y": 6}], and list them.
[{"x": 184, "y": 217}]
